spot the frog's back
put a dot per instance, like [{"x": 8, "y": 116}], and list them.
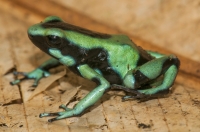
[
  {"x": 111, "y": 55},
  {"x": 124, "y": 55}
]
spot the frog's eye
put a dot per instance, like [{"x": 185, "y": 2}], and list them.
[{"x": 54, "y": 41}]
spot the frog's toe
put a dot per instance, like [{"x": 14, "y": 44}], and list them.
[
  {"x": 137, "y": 95},
  {"x": 36, "y": 75},
  {"x": 36, "y": 81},
  {"x": 64, "y": 107},
  {"x": 26, "y": 76},
  {"x": 125, "y": 98},
  {"x": 60, "y": 115},
  {"x": 49, "y": 114},
  {"x": 52, "y": 119},
  {"x": 35, "y": 84},
  {"x": 56, "y": 118},
  {"x": 16, "y": 73},
  {"x": 17, "y": 81},
  {"x": 46, "y": 74}
]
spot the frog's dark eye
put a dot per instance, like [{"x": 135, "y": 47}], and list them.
[{"x": 54, "y": 41}]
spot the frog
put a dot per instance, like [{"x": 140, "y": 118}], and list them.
[{"x": 112, "y": 61}]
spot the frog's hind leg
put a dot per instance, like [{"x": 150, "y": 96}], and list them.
[{"x": 165, "y": 67}]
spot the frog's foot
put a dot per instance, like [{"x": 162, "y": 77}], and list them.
[
  {"x": 141, "y": 95},
  {"x": 60, "y": 115},
  {"x": 146, "y": 94},
  {"x": 137, "y": 95},
  {"x": 120, "y": 87},
  {"x": 36, "y": 74}
]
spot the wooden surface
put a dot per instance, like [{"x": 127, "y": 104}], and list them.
[{"x": 178, "y": 112}]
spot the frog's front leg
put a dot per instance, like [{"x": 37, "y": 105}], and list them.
[
  {"x": 149, "y": 74},
  {"x": 88, "y": 100},
  {"x": 38, "y": 73}
]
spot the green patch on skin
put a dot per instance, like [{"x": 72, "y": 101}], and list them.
[
  {"x": 65, "y": 60},
  {"x": 37, "y": 29},
  {"x": 157, "y": 64},
  {"x": 146, "y": 69}
]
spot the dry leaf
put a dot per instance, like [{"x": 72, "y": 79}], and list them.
[{"x": 45, "y": 83}]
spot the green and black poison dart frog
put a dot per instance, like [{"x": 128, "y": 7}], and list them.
[{"x": 112, "y": 61}]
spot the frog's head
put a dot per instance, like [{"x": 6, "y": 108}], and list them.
[{"x": 47, "y": 38}]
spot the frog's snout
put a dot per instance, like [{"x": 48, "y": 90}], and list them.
[{"x": 35, "y": 30}]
